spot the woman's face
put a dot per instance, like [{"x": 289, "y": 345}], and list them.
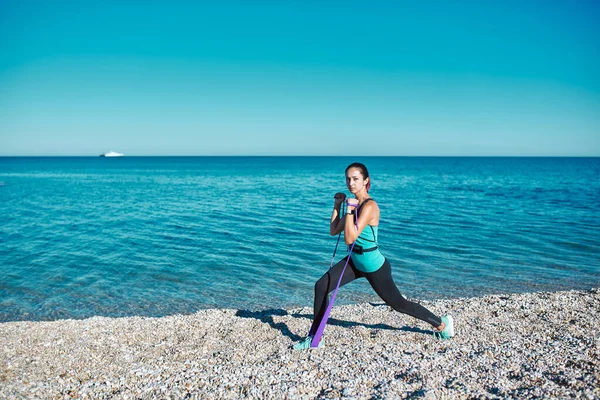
[{"x": 355, "y": 181}]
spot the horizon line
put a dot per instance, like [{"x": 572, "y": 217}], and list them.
[{"x": 306, "y": 155}]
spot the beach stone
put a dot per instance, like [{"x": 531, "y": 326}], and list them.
[{"x": 501, "y": 351}]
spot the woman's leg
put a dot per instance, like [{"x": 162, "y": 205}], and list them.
[
  {"x": 326, "y": 284},
  {"x": 383, "y": 283}
]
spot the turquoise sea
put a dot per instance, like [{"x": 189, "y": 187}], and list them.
[{"x": 154, "y": 236}]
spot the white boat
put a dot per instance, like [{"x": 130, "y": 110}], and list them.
[{"x": 112, "y": 154}]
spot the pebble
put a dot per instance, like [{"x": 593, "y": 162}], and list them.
[{"x": 514, "y": 345}]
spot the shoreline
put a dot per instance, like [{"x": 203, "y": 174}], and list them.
[{"x": 516, "y": 345}]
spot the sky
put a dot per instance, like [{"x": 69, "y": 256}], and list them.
[{"x": 330, "y": 77}]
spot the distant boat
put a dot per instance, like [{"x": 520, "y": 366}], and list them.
[{"x": 112, "y": 154}]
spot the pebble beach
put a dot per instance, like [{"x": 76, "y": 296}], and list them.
[{"x": 506, "y": 346}]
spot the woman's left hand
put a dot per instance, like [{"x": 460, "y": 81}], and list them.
[{"x": 352, "y": 203}]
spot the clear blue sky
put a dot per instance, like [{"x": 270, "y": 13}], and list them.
[{"x": 300, "y": 78}]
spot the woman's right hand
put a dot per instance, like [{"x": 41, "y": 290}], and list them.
[{"x": 339, "y": 198}]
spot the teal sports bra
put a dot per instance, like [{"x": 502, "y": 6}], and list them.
[{"x": 365, "y": 254}]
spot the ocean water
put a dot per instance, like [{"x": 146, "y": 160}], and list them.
[{"x": 154, "y": 236}]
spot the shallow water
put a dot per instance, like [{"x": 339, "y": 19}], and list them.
[{"x": 153, "y": 236}]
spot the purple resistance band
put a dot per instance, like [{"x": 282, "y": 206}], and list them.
[{"x": 317, "y": 338}]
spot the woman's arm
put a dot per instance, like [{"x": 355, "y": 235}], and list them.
[
  {"x": 337, "y": 222},
  {"x": 336, "y": 225},
  {"x": 368, "y": 214}
]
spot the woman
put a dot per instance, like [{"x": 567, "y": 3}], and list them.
[{"x": 366, "y": 261}]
